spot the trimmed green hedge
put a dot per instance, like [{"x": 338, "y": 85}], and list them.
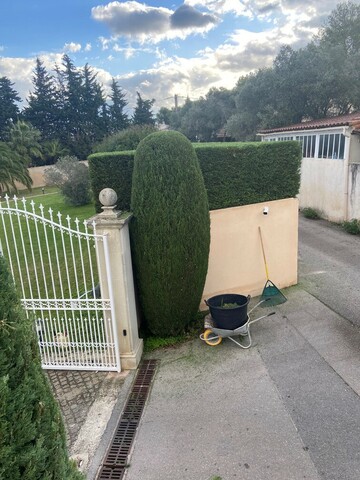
[
  {"x": 112, "y": 170},
  {"x": 242, "y": 174},
  {"x": 170, "y": 231},
  {"x": 234, "y": 173}
]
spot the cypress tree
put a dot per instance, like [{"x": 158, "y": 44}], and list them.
[
  {"x": 70, "y": 82},
  {"x": 118, "y": 119},
  {"x": 43, "y": 110},
  {"x": 142, "y": 112},
  {"x": 9, "y": 110},
  {"x": 170, "y": 231},
  {"x": 32, "y": 438},
  {"x": 93, "y": 104},
  {"x": 84, "y": 112}
]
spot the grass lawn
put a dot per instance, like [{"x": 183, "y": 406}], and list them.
[
  {"x": 52, "y": 198},
  {"x": 48, "y": 263}
]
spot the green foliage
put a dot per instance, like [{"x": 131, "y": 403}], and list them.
[
  {"x": 352, "y": 226},
  {"x": 193, "y": 330},
  {"x": 170, "y": 231},
  {"x": 310, "y": 213},
  {"x": 201, "y": 120},
  {"x": 118, "y": 119},
  {"x": 112, "y": 170},
  {"x": 32, "y": 440},
  {"x": 72, "y": 178},
  {"x": 249, "y": 173},
  {"x": 43, "y": 110},
  {"x": 52, "y": 151},
  {"x": 234, "y": 173},
  {"x": 124, "y": 140},
  {"x": 83, "y": 110},
  {"x": 154, "y": 343},
  {"x": 9, "y": 110},
  {"x": 12, "y": 169},
  {"x": 24, "y": 139},
  {"x": 142, "y": 113}
]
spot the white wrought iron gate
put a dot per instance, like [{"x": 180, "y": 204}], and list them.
[{"x": 55, "y": 268}]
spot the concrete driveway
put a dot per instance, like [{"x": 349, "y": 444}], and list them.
[{"x": 287, "y": 409}]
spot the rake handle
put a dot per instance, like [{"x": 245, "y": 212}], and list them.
[{"x": 263, "y": 252}]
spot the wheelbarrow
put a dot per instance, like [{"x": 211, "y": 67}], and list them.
[{"x": 229, "y": 318}]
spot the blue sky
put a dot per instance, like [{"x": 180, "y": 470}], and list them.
[{"x": 156, "y": 47}]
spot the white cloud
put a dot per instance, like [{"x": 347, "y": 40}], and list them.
[
  {"x": 20, "y": 71},
  {"x": 130, "y": 52},
  {"x": 220, "y": 66},
  {"x": 144, "y": 23},
  {"x": 105, "y": 43},
  {"x": 88, "y": 47},
  {"x": 72, "y": 47},
  {"x": 222, "y": 6}
]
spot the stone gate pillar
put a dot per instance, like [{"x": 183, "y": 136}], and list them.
[{"x": 115, "y": 225}]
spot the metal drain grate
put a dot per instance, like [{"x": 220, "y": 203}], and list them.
[{"x": 116, "y": 459}]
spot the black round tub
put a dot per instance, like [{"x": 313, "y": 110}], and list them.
[{"x": 229, "y": 311}]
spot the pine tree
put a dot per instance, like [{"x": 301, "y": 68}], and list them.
[
  {"x": 32, "y": 440},
  {"x": 43, "y": 110},
  {"x": 118, "y": 119},
  {"x": 142, "y": 113},
  {"x": 9, "y": 110}
]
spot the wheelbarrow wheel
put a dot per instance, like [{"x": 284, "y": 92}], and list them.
[{"x": 211, "y": 338}]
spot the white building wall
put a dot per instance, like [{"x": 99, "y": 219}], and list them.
[
  {"x": 331, "y": 186},
  {"x": 354, "y": 191},
  {"x": 322, "y": 187}
]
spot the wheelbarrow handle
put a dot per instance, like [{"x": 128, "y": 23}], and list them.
[{"x": 206, "y": 302}]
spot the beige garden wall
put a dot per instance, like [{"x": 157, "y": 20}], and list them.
[
  {"x": 236, "y": 263},
  {"x": 37, "y": 176}
]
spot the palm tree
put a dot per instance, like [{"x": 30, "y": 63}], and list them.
[
  {"x": 12, "y": 169},
  {"x": 53, "y": 150},
  {"x": 24, "y": 139}
]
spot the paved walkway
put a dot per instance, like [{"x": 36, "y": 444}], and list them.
[{"x": 88, "y": 400}]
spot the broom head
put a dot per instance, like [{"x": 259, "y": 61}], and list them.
[{"x": 272, "y": 295}]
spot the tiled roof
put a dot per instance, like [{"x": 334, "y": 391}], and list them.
[{"x": 352, "y": 119}]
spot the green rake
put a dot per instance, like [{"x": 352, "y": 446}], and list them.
[{"x": 271, "y": 294}]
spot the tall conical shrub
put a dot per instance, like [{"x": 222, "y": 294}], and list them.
[
  {"x": 170, "y": 231},
  {"x": 32, "y": 437}
]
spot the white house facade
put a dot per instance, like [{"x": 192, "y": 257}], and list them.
[{"x": 330, "y": 168}]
